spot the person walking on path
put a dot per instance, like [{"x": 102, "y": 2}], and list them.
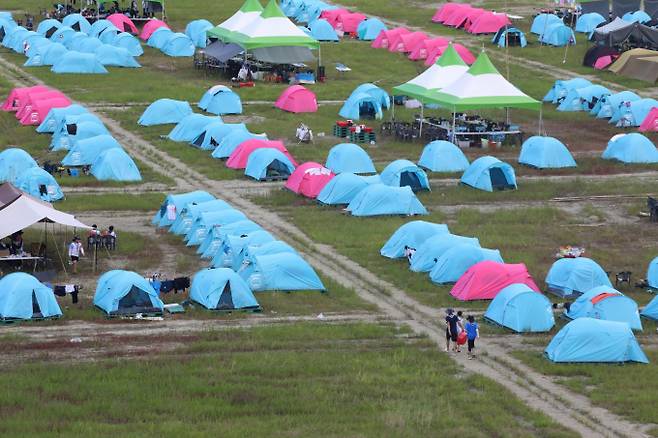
[
  {"x": 452, "y": 329},
  {"x": 472, "y": 333}
]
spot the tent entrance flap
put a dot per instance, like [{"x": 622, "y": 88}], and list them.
[
  {"x": 277, "y": 168},
  {"x": 498, "y": 180},
  {"x": 283, "y": 54},
  {"x": 36, "y": 310},
  {"x": 226, "y": 299},
  {"x": 410, "y": 179},
  {"x": 135, "y": 299}
]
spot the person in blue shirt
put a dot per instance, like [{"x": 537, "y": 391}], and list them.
[{"x": 472, "y": 333}]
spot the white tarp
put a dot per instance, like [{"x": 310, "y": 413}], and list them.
[{"x": 25, "y": 212}]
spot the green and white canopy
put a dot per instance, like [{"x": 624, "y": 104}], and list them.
[
  {"x": 482, "y": 86},
  {"x": 270, "y": 29},
  {"x": 446, "y": 70},
  {"x": 250, "y": 10}
]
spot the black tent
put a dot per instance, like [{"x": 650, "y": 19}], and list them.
[
  {"x": 596, "y": 52},
  {"x": 621, "y": 7}
]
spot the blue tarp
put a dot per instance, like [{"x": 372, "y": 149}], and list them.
[
  {"x": 604, "y": 302},
  {"x": 178, "y": 45},
  {"x": 129, "y": 42},
  {"x": 85, "y": 152},
  {"x": 631, "y": 148},
  {"x": 381, "y": 199},
  {"x": 159, "y": 38},
  {"x": 558, "y": 35},
  {"x": 196, "y": 31},
  {"x": 489, "y": 173},
  {"x": 221, "y": 100},
  {"x": 221, "y": 289},
  {"x": 34, "y": 179},
  {"x": 231, "y": 142},
  {"x": 115, "y": 56},
  {"x": 80, "y": 63},
  {"x": 369, "y": 29},
  {"x": 545, "y": 153},
  {"x": 283, "y": 272},
  {"x": 56, "y": 115},
  {"x": 429, "y": 252},
  {"x": 115, "y": 165},
  {"x": 412, "y": 234},
  {"x": 561, "y": 88},
  {"x": 114, "y": 285},
  {"x": 521, "y": 309},
  {"x": 458, "y": 259},
  {"x": 13, "y": 162},
  {"x": 595, "y": 340},
  {"x": 18, "y": 292},
  {"x": 179, "y": 201},
  {"x": 401, "y": 173},
  {"x": 191, "y": 126},
  {"x": 164, "y": 111},
  {"x": 342, "y": 189},
  {"x": 443, "y": 156},
  {"x": 214, "y": 133},
  {"x": 606, "y": 107},
  {"x": 575, "y": 275},
  {"x": 349, "y": 157},
  {"x": 588, "y": 22},
  {"x": 321, "y": 30},
  {"x": 268, "y": 162},
  {"x": 543, "y": 21}
]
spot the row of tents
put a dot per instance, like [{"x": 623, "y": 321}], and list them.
[
  {"x": 471, "y": 19},
  {"x": 639, "y": 63},
  {"x": 551, "y": 30},
  {"x": 20, "y": 169}
]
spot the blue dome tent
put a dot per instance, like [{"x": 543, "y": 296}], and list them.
[
  {"x": 48, "y": 55},
  {"x": 651, "y": 310},
  {"x": 521, "y": 309},
  {"x": 191, "y": 212},
  {"x": 231, "y": 142},
  {"x": 543, "y": 21},
  {"x": 214, "y": 133},
  {"x": 191, "y": 126},
  {"x": 48, "y": 27},
  {"x": 267, "y": 248},
  {"x": 429, "y": 252},
  {"x": 509, "y": 35},
  {"x": 443, "y": 156},
  {"x": 164, "y": 111},
  {"x": 86, "y": 126},
  {"x": 77, "y": 39},
  {"x": 636, "y": 17},
  {"x": 216, "y": 236},
  {"x": 569, "y": 276},
  {"x": 378, "y": 93},
  {"x": 545, "y": 153},
  {"x": 361, "y": 105},
  {"x": 404, "y": 173},
  {"x": 126, "y": 293},
  {"x": 652, "y": 273},
  {"x": 115, "y": 165},
  {"x": 369, "y": 29},
  {"x": 88, "y": 45},
  {"x": 56, "y": 115},
  {"x": 24, "y": 297},
  {"x": 604, "y": 302},
  {"x": 412, "y": 234},
  {"x": 62, "y": 35},
  {"x": 128, "y": 42},
  {"x": 349, "y": 157},
  {"x": 178, "y": 45},
  {"x": 37, "y": 182},
  {"x": 231, "y": 253},
  {"x": 221, "y": 100},
  {"x": 595, "y": 340},
  {"x": 608, "y": 105},
  {"x": 85, "y": 152},
  {"x": 321, "y": 30},
  {"x": 489, "y": 173},
  {"x": 159, "y": 38},
  {"x": 282, "y": 272},
  {"x": 381, "y": 199},
  {"x": 207, "y": 220},
  {"x": 558, "y": 35},
  {"x": 99, "y": 26},
  {"x": 196, "y": 31},
  {"x": 115, "y": 56},
  {"x": 178, "y": 202},
  {"x": 458, "y": 259},
  {"x": 36, "y": 45},
  {"x": 109, "y": 35},
  {"x": 14, "y": 36},
  {"x": 561, "y": 88},
  {"x": 13, "y": 162},
  {"x": 579, "y": 99},
  {"x": 222, "y": 289},
  {"x": 342, "y": 189},
  {"x": 80, "y": 63},
  {"x": 633, "y": 114},
  {"x": 77, "y": 22},
  {"x": 631, "y": 148},
  {"x": 588, "y": 22},
  {"x": 267, "y": 163}
]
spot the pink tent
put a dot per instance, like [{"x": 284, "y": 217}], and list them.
[
  {"x": 423, "y": 49},
  {"x": 30, "y": 99},
  {"x": 472, "y": 16},
  {"x": 309, "y": 179},
  {"x": 459, "y": 17},
  {"x": 650, "y": 122},
  {"x": 17, "y": 95},
  {"x": 349, "y": 22},
  {"x": 445, "y": 11},
  {"x": 297, "y": 99},
  {"x": 40, "y": 110},
  {"x": 331, "y": 15},
  {"x": 464, "y": 53},
  {"x": 489, "y": 23},
  {"x": 123, "y": 23},
  {"x": 484, "y": 280},
  {"x": 150, "y": 27},
  {"x": 238, "y": 158},
  {"x": 603, "y": 62},
  {"x": 385, "y": 36},
  {"x": 409, "y": 41}
]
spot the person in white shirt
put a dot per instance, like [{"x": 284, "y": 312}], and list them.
[{"x": 75, "y": 252}]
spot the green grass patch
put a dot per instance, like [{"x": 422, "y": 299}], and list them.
[{"x": 111, "y": 202}]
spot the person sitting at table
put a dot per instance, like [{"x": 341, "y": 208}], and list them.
[{"x": 16, "y": 246}]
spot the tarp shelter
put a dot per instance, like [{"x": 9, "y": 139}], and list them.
[
  {"x": 38, "y": 183},
  {"x": 558, "y": 35},
  {"x": 381, "y": 200},
  {"x": 588, "y": 22},
  {"x": 485, "y": 280},
  {"x": 604, "y": 302},
  {"x": 521, "y": 309},
  {"x": 651, "y": 8},
  {"x": 19, "y": 211},
  {"x": 349, "y": 157},
  {"x": 382, "y": 40},
  {"x": 268, "y": 163},
  {"x": 282, "y": 272},
  {"x": 239, "y": 157},
  {"x": 650, "y": 122},
  {"x": 595, "y": 341},
  {"x": 56, "y": 116},
  {"x": 13, "y": 162},
  {"x": 297, "y": 99},
  {"x": 321, "y": 30},
  {"x": 401, "y": 173},
  {"x": 159, "y": 38},
  {"x": 214, "y": 133},
  {"x": 79, "y": 63},
  {"x": 569, "y": 276},
  {"x": 509, "y": 36},
  {"x": 489, "y": 22},
  {"x": 128, "y": 42},
  {"x": 427, "y": 254},
  {"x": 150, "y": 27},
  {"x": 115, "y": 56},
  {"x": 423, "y": 50},
  {"x": 231, "y": 142},
  {"x": 165, "y": 111},
  {"x": 178, "y": 45},
  {"x": 454, "y": 262},
  {"x": 121, "y": 292},
  {"x": 222, "y": 52},
  {"x": 369, "y": 29},
  {"x": 123, "y": 23},
  {"x": 24, "y": 297},
  {"x": 48, "y": 27},
  {"x": 631, "y": 148},
  {"x": 349, "y": 23},
  {"x": 191, "y": 126},
  {"x": 608, "y": 105},
  {"x": 412, "y": 235},
  {"x": 196, "y": 31},
  {"x": 220, "y": 99},
  {"x": 309, "y": 179},
  {"x": 542, "y": 22},
  {"x": 443, "y": 156},
  {"x": 222, "y": 289},
  {"x": 250, "y": 11},
  {"x": 48, "y": 55},
  {"x": 77, "y": 22},
  {"x": 164, "y": 217},
  {"x": 85, "y": 152},
  {"x": 602, "y": 56},
  {"x": 545, "y": 153},
  {"x": 489, "y": 173},
  {"x": 115, "y": 165},
  {"x": 561, "y": 88},
  {"x": 341, "y": 189}
]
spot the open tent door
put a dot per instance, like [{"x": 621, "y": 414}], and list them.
[
  {"x": 76, "y": 26},
  {"x": 226, "y": 299},
  {"x": 136, "y": 300},
  {"x": 498, "y": 179},
  {"x": 410, "y": 179},
  {"x": 50, "y": 32},
  {"x": 36, "y": 309},
  {"x": 199, "y": 140},
  {"x": 277, "y": 169},
  {"x": 367, "y": 110}
]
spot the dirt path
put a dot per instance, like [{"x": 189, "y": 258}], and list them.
[{"x": 561, "y": 405}]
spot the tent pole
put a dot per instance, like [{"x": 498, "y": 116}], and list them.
[
  {"x": 540, "y": 120},
  {"x": 454, "y": 122},
  {"x": 422, "y": 117},
  {"x": 393, "y": 112}
]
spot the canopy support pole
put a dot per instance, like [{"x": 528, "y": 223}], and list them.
[
  {"x": 539, "y": 128},
  {"x": 393, "y": 112},
  {"x": 454, "y": 123},
  {"x": 422, "y": 118}
]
